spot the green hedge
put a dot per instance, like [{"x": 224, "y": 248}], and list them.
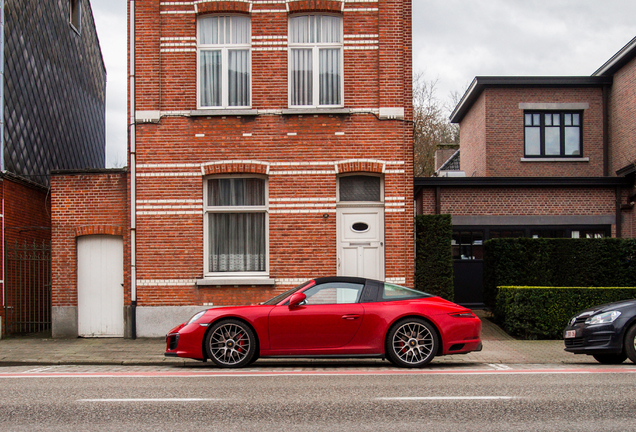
[
  {"x": 558, "y": 263},
  {"x": 543, "y": 312},
  {"x": 434, "y": 259}
]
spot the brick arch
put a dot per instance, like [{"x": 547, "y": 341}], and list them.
[
  {"x": 223, "y": 6},
  {"x": 297, "y": 6},
  {"x": 115, "y": 230},
  {"x": 360, "y": 166},
  {"x": 236, "y": 167}
]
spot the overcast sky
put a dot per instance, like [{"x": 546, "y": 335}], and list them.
[{"x": 453, "y": 41}]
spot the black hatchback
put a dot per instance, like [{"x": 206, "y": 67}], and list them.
[{"x": 606, "y": 332}]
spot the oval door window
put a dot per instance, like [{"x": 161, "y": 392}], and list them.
[{"x": 360, "y": 227}]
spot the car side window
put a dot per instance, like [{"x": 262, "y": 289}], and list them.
[
  {"x": 333, "y": 293},
  {"x": 396, "y": 292}
]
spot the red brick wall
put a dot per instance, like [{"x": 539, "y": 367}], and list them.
[
  {"x": 301, "y": 155},
  {"x": 84, "y": 204},
  {"x": 501, "y": 122},
  {"x": 622, "y": 118}
]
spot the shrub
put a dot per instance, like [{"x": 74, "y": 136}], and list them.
[
  {"x": 543, "y": 312},
  {"x": 434, "y": 259}
]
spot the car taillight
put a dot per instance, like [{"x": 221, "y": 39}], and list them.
[{"x": 463, "y": 315}]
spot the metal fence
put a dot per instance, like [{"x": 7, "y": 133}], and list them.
[{"x": 27, "y": 287}]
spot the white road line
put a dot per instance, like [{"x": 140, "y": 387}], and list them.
[
  {"x": 152, "y": 400},
  {"x": 498, "y": 366},
  {"x": 434, "y": 398}
]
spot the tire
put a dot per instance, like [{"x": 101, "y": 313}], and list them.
[
  {"x": 231, "y": 344},
  {"x": 411, "y": 343},
  {"x": 610, "y": 358},
  {"x": 630, "y": 343}
]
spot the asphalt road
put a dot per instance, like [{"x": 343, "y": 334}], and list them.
[{"x": 100, "y": 398}]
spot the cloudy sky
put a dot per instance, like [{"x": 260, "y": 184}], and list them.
[{"x": 453, "y": 41}]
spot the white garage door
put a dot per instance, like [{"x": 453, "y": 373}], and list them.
[{"x": 100, "y": 291}]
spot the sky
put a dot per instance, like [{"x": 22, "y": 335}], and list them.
[{"x": 453, "y": 41}]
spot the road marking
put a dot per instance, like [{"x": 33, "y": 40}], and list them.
[
  {"x": 152, "y": 400},
  {"x": 498, "y": 366},
  {"x": 435, "y": 398}
]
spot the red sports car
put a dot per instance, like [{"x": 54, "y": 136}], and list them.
[{"x": 331, "y": 317}]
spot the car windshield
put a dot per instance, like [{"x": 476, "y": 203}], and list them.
[{"x": 280, "y": 297}]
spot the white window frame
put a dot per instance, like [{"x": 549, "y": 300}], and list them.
[
  {"x": 233, "y": 209},
  {"x": 315, "y": 47},
  {"x": 224, "y": 48}
]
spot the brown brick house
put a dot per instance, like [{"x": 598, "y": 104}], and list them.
[
  {"x": 270, "y": 143},
  {"x": 542, "y": 157}
]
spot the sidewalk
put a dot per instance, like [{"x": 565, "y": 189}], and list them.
[{"x": 498, "y": 348}]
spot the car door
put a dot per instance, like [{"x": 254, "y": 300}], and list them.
[{"x": 328, "y": 319}]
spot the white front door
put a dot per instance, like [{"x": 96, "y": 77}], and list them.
[
  {"x": 361, "y": 242},
  {"x": 100, "y": 290}
]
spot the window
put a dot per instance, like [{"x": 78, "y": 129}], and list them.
[
  {"x": 315, "y": 61},
  {"x": 360, "y": 188},
  {"x": 236, "y": 226},
  {"x": 467, "y": 245},
  {"x": 76, "y": 14},
  {"x": 333, "y": 293},
  {"x": 552, "y": 134},
  {"x": 223, "y": 45},
  {"x": 397, "y": 292}
]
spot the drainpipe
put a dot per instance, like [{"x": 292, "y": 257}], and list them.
[
  {"x": 4, "y": 251},
  {"x": 619, "y": 222},
  {"x": 133, "y": 180}
]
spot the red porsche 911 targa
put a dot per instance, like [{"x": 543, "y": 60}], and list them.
[{"x": 331, "y": 317}]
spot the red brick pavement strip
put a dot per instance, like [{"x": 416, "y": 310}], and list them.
[{"x": 499, "y": 348}]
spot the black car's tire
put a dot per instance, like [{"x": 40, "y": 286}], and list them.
[
  {"x": 231, "y": 344},
  {"x": 610, "y": 358},
  {"x": 630, "y": 343},
  {"x": 411, "y": 342}
]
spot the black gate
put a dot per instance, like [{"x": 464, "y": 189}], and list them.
[{"x": 27, "y": 287}]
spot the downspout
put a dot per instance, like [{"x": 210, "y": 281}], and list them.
[
  {"x": 619, "y": 222},
  {"x": 4, "y": 251},
  {"x": 133, "y": 179}
]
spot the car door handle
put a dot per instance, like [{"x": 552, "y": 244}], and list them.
[{"x": 350, "y": 317}]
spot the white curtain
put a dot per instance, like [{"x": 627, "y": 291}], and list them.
[
  {"x": 238, "y": 78},
  {"x": 301, "y": 77},
  {"x": 236, "y": 240},
  {"x": 329, "y": 77},
  {"x": 210, "y": 78}
]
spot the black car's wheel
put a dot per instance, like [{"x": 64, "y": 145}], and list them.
[
  {"x": 230, "y": 343},
  {"x": 411, "y": 342},
  {"x": 630, "y": 343},
  {"x": 610, "y": 358}
]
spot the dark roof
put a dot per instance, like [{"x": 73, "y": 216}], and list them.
[
  {"x": 480, "y": 83},
  {"x": 618, "y": 60},
  {"x": 451, "y": 164}
]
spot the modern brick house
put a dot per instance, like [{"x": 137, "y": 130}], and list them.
[
  {"x": 52, "y": 116},
  {"x": 271, "y": 142},
  {"x": 542, "y": 157}
]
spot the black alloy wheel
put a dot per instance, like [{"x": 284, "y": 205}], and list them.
[
  {"x": 630, "y": 343},
  {"x": 231, "y": 344}
]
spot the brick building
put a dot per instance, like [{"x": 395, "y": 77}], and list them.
[
  {"x": 271, "y": 143},
  {"x": 542, "y": 157},
  {"x": 52, "y": 116}
]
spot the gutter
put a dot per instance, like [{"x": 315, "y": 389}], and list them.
[{"x": 133, "y": 180}]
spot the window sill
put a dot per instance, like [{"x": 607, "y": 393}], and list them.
[
  {"x": 235, "y": 281},
  {"x": 556, "y": 159},
  {"x": 223, "y": 112},
  {"x": 303, "y": 111}
]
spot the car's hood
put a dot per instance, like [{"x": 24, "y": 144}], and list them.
[{"x": 624, "y": 304}]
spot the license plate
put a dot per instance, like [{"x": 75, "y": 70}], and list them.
[{"x": 570, "y": 334}]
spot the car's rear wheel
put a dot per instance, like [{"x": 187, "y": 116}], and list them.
[
  {"x": 231, "y": 344},
  {"x": 411, "y": 342},
  {"x": 610, "y": 358},
  {"x": 630, "y": 343}
]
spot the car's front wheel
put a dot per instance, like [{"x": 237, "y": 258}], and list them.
[
  {"x": 230, "y": 344},
  {"x": 411, "y": 342},
  {"x": 610, "y": 358},
  {"x": 630, "y": 343}
]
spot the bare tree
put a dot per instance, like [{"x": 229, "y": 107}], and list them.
[{"x": 431, "y": 126}]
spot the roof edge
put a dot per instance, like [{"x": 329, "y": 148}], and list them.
[{"x": 618, "y": 60}]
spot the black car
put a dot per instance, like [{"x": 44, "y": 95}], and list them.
[{"x": 606, "y": 332}]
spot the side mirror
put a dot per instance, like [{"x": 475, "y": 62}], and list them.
[{"x": 296, "y": 299}]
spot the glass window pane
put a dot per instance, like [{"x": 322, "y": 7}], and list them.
[
  {"x": 360, "y": 188},
  {"x": 533, "y": 141},
  {"x": 552, "y": 141},
  {"x": 528, "y": 120},
  {"x": 210, "y": 78},
  {"x": 478, "y": 245},
  {"x": 572, "y": 141},
  {"x": 329, "y": 76},
  {"x": 536, "y": 119},
  {"x": 556, "y": 119},
  {"x": 299, "y": 29},
  {"x": 330, "y": 29},
  {"x": 208, "y": 30},
  {"x": 396, "y": 292},
  {"x": 548, "y": 119},
  {"x": 576, "y": 119},
  {"x": 238, "y": 78},
  {"x": 230, "y": 192},
  {"x": 301, "y": 77},
  {"x": 567, "y": 119},
  {"x": 240, "y": 30},
  {"x": 236, "y": 242}
]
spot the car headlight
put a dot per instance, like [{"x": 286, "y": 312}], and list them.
[
  {"x": 603, "y": 318},
  {"x": 196, "y": 317}
]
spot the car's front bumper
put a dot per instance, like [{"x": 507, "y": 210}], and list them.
[{"x": 593, "y": 339}]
